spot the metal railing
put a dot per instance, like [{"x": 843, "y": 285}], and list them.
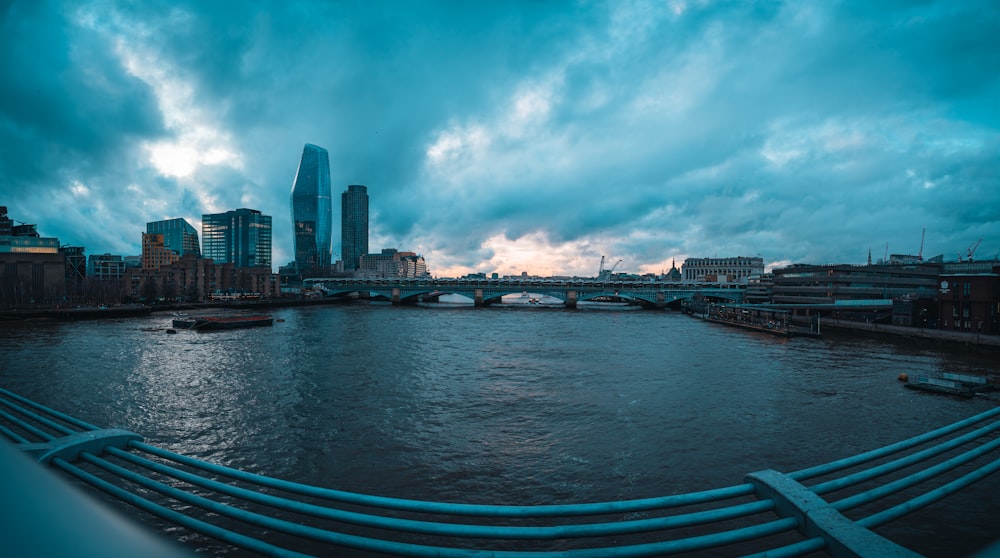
[{"x": 773, "y": 513}]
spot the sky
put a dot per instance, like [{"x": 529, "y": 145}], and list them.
[{"x": 516, "y": 136}]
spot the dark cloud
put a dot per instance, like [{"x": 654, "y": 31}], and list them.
[{"x": 802, "y": 132}]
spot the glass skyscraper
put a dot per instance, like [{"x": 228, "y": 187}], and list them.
[
  {"x": 178, "y": 236},
  {"x": 353, "y": 225},
  {"x": 312, "y": 212},
  {"x": 241, "y": 237}
]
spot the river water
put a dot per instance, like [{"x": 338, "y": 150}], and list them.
[{"x": 505, "y": 405}]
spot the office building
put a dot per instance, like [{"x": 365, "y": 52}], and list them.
[
  {"x": 241, "y": 237},
  {"x": 178, "y": 236},
  {"x": 32, "y": 268},
  {"x": 155, "y": 253},
  {"x": 737, "y": 270},
  {"x": 970, "y": 301},
  {"x": 392, "y": 263},
  {"x": 839, "y": 283},
  {"x": 105, "y": 266},
  {"x": 353, "y": 226},
  {"x": 312, "y": 212}
]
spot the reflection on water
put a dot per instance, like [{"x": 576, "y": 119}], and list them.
[{"x": 491, "y": 405}]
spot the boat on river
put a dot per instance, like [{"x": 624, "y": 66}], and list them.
[
  {"x": 216, "y": 323},
  {"x": 941, "y": 385},
  {"x": 963, "y": 385}
]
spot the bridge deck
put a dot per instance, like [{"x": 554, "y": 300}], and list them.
[{"x": 831, "y": 508}]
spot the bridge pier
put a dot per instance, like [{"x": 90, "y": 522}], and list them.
[
  {"x": 477, "y": 298},
  {"x": 395, "y": 296},
  {"x": 661, "y": 300},
  {"x": 570, "y": 299}
]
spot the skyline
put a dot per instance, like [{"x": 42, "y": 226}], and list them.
[{"x": 521, "y": 136}]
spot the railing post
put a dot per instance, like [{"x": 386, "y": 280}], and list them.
[{"x": 817, "y": 518}]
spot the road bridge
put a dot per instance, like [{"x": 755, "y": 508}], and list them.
[
  {"x": 484, "y": 292},
  {"x": 832, "y": 508}
]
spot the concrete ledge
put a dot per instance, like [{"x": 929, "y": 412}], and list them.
[{"x": 43, "y": 515}]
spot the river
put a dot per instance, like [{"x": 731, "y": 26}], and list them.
[{"x": 503, "y": 404}]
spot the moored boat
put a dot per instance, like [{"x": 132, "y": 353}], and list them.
[
  {"x": 215, "y": 323},
  {"x": 941, "y": 385}
]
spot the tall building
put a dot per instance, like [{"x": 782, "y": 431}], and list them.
[
  {"x": 178, "y": 235},
  {"x": 312, "y": 212},
  {"x": 353, "y": 226},
  {"x": 241, "y": 237}
]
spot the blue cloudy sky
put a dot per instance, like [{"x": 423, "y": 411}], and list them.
[{"x": 517, "y": 136}]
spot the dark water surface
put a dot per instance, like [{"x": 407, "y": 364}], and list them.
[{"x": 503, "y": 405}]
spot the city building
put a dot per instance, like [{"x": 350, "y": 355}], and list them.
[
  {"x": 105, "y": 266},
  {"x": 76, "y": 262},
  {"x": 155, "y": 254},
  {"x": 178, "y": 235},
  {"x": 241, "y": 237},
  {"x": 674, "y": 274},
  {"x": 970, "y": 301},
  {"x": 392, "y": 263},
  {"x": 312, "y": 212},
  {"x": 32, "y": 269},
  {"x": 831, "y": 284},
  {"x": 353, "y": 226},
  {"x": 76, "y": 270},
  {"x": 722, "y": 270},
  {"x": 194, "y": 279}
]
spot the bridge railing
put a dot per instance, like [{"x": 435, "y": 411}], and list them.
[{"x": 769, "y": 512}]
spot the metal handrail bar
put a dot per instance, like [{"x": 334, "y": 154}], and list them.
[
  {"x": 903, "y": 462},
  {"x": 410, "y": 549},
  {"x": 173, "y": 516},
  {"x": 457, "y": 529},
  {"x": 48, "y": 410},
  {"x": 916, "y": 478},
  {"x": 10, "y": 434},
  {"x": 595, "y": 508},
  {"x": 160, "y": 473},
  {"x": 26, "y": 426},
  {"x": 817, "y": 543},
  {"x": 800, "y": 548},
  {"x": 928, "y": 498},
  {"x": 865, "y": 457}
]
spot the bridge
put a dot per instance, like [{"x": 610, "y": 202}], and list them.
[
  {"x": 485, "y": 292},
  {"x": 832, "y": 508}
]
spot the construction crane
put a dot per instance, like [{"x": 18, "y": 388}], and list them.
[
  {"x": 600, "y": 270},
  {"x": 920, "y": 254},
  {"x": 614, "y": 267},
  {"x": 972, "y": 249}
]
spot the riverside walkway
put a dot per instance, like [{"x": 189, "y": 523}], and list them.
[{"x": 831, "y": 508}]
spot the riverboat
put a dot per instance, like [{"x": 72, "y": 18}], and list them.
[
  {"x": 215, "y": 323},
  {"x": 944, "y": 385}
]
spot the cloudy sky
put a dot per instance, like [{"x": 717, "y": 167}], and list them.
[{"x": 518, "y": 135}]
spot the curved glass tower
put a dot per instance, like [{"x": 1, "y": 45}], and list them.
[{"x": 312, "y": 212}]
